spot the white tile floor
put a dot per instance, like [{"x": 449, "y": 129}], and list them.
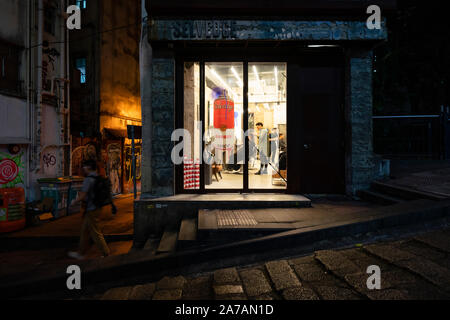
[{"x": 236, "y": 181}]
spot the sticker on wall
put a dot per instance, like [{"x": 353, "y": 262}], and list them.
[{"x": 11, "y": 170}]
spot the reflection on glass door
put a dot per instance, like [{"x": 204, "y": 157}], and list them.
[
  {"x": 192, "y": 125},
  {"x": 224, "y": 153},
  {"x": 267, "y": 125}
]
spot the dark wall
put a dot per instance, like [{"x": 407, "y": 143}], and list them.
[{"x": 413, "y": 67}]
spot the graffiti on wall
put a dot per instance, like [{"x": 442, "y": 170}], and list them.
[
  {"x": 50, "y": 55},
  {"x": 128, "y": 168},
  {"x": 11, "y": 170},
  {"x": 129, "y": 163},
  {"x": 114, "y": 164},
  {"x": 49, "y": 160},
  {"x": 80, "y": 154}
]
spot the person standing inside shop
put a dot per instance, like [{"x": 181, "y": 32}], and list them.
[
  {"x": 262, "y": 147},
  {"x": 91, "y": 214},
  {"x": 274, "y": 147}
]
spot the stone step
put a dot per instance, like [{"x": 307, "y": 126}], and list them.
[
  {"x": 403, "y": 192},
  {"x": 152, "y": 245},
  {"x": 168, "y": 241},
  {"x": 188, "y": 230},
  {"x": 240, "y": 224},
  {"x": 378, "y": 197}
]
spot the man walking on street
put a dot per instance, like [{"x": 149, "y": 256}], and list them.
[{"x": 91, "y": 213}]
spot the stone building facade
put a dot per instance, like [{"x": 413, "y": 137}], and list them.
[
  {"x": 34, "y": 86},
  {"x": 325, "y": 50},
  {"x": 169, "y": 36}
]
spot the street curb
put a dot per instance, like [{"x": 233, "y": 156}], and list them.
[
  {"x": 10, "y": 244},
  {"x": 138, "y": 263}
]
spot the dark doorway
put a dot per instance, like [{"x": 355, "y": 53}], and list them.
[{"x": 315, "y": 126}]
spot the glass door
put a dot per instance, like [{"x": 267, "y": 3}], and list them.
[
  {"x": 235, "y": 121},
  {"x": 267, "y": 125},
  {"x": 224, "y": 136}
]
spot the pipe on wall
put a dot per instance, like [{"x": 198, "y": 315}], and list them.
[{"x": 38, "y": 118}]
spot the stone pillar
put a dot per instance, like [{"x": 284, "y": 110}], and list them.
[
  {"x": 163, "y": 113},
  {"x": 360, "y": 162},
  {"x": 145, "y": 65}
]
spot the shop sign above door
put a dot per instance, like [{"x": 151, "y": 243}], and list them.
[
  {"x": 211, "y": 29},
  {"x": 171, "y": 30}
]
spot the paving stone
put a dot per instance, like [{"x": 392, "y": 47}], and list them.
[
  {"x": 300, "y": 293},
  {"x": 313, "y": 272},
  {"x": 282, "y": 275},
  {"x": 389, "y": 252},
  {"x": 423, "y": 250},
  {"x": 264, "y": 297},
  {"x": 429, "y": 270},
  {"x": 172, "y": 294},
  {"x": 226, "y": 276},
  {"x": 358, "y": 281},
  {"x": 199, "y": 288},
  {"x": 255, "y": 282},
  {"x": 337, "y": 262},
  {"x": 302, "y": 260},
  {"x": 422, "y": 290},
  {"x": 171, "y": 283},
  {"x": 142, "y": 292},
  {"x": 388, "y": 294},
  {"x": 360, "y": 258},
  {"x": 121, "y": 293},
  {"x": 445, "y": 262},
  {"x": 439, "y": 240},
  {"x": 397, "y": 277},
  {"x": 232, "y": 297},
  {"x": 336, "y": 293},
  {"x": 227, "y": 289}
]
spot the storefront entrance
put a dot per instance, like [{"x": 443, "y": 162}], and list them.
[{"x": 261, "y": 126}]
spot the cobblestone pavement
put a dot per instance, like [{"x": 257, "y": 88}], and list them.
[{"x": 411, "y": 269}]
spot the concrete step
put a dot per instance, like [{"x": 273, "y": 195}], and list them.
[
  {"x": 188, "y": 233},
  {"x": 168, "y": 241},
  {"x": 220, "y": 225},
  {"x": 152, "y": 245},
  {"x": 378, "y": 197},
  {"x": 403, "y": 192},
  {"x": 194, "y": 202}
]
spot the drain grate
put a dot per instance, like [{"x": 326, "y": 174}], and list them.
[{"x": 235, "y": 218}]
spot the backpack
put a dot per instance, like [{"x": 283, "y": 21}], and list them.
[{"x": 102, "y": 192}]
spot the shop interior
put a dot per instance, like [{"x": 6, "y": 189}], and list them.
[{"x": 224, "y": 120}]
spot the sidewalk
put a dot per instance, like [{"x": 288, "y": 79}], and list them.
[
  {"x": 417, "y": 268},
  {"x": 98, "y": 273},
  {"x": 431, "y": 176},
  {"x": 69, "y": 226},
  {"x": 47, "y": 244}
]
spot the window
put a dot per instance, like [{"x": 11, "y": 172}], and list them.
[
  {"x": 81, "y": 4},
  {"x": 216, "y": 116},
  {"x": 49, "y": 20},
  {"x": 80, "y": 64},
  {"x": 9, "y": 68}
]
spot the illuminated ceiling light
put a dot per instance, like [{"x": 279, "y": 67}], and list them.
[
  {"x": 258, "y": 81},
  {"x": 276, "y": 78},
  {"x": 255, "y": 71},
  {"x": 239, "y": 81},
  {"x": 223, "y": 82},
  {"x": 322, "y": 46}
]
